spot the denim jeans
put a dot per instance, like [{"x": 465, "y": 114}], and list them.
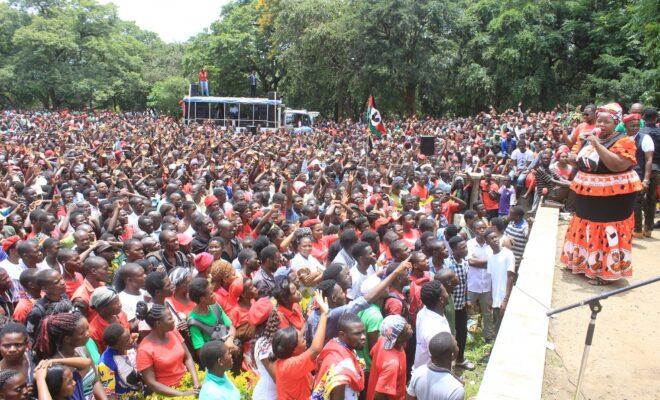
[{"x": 204, "y": 88}]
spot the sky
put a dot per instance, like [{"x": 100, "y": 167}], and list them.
[{"x": 172, "y": 20}]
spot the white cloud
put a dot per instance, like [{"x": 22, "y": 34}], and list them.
[{"x": 172, "y": 20}]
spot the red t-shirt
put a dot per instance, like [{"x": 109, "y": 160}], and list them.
[
  {"x": 166, "y": 359},
  {"x": 419, "y": 190},
  {"x": 98, "y": 325},
  {"x": 203, "y": 76},
  {"x": 489, "y": 203},
  {"x": 23, "y": 308},
  {"x": 73, "y": 285},
  {"x": 410, "y": 237},
  {"x": 179, "y": 307},
  {"x": 320, "y": 248},
  {"x": 415, "y": 295},
  {"x": 448, "y": 209},
  {"x": 388, "y": 372},
  {"x": 583, "y": 127},
  {"x": 84, "y": 293},
  {"x": 238, "y": 315},
  {"x": 293, "y": 377},
  {"x": 394, "y": 305},
  {"x": 245, "y": 232}
]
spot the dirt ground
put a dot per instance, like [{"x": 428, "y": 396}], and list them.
[{"x": 624, "y": 360}]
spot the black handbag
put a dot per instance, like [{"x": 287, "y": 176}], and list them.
[{"x": 217, "y": 332}]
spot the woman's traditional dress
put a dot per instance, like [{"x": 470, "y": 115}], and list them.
[{"x": 599, "y": 238}]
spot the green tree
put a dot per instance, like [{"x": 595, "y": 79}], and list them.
[
  {"x": 240, "y": 41},
  {"x": 166, "y": 94}
]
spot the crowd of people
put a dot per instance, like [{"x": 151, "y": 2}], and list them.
[{"x": 137, "y": 251}]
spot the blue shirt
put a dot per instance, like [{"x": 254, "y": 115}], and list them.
[
  {"x": 218, "y": 387},
  {"x": 332, "y": 326}
]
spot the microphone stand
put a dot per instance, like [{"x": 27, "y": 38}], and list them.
[{"x": 596, "y": 307}]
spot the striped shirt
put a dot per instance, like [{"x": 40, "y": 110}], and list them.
[{"x": 519, "y": 234}]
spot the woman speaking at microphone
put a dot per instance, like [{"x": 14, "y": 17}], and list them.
[{"x": 598, "y": 242}]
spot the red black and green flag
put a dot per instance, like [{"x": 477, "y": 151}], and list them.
[{"x": 376, "y": 125}]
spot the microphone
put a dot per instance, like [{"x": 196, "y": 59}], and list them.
[{"x": 596, "y": 132}]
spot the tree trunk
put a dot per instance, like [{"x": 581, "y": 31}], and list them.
[{"x": 409, "y": 97}]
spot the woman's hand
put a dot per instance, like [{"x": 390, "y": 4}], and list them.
[
  {"x": 41, "y": 369},
  {"x": 321, "y": 302},
  {"x": 591, "y": 138}
]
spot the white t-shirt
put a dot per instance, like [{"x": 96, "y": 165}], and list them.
[
  {"x": 478, "y": 279},
  {"x": 427, "y": 384},
  {"x": 298, "y": 262},
  {"x": 429, "y": 323},
  {"x": 498, "y": 266},
  {"x": 14, "y": 271},
  {"x": 647, "y": 143},
  {"x": 265, "y": 388},
  {"x": 357, "y": 278},
  {"x": 129, "y": 302},
  {"x": 523, "y": 160}
]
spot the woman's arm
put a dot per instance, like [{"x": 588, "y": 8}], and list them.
[
  {"x": 269, "y": 367},
  {"x": 79, "y": 363},
  {"x": 612, "y": 161},
  {"x": 190, "y": 366},
  {"x": 99, "y": 390},
  {"x": 40, "y": 380},
  {"x": 284, "y": 246},
  {"x": 149, "y": 379},
  {"x": 319, "y": 337}
]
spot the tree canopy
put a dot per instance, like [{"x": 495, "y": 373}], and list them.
[{"x": 415, "y": 56}]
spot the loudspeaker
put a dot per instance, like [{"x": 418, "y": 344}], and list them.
[
  {"x": 427, "y": 145},
  {"x": 253, "y": 129},
  {"x": 194, "y": 89}
]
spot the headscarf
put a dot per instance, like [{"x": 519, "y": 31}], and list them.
[
  {"x": 210, "y": 200},
  {"x": 614, "y": 109},
  {"x": 102, "y": 296},
  {"x": 561, "y": 150},
  {"x": 631, "y": 117},
  {"x": 203, "y": 261},
  {"x": 179, "y": 274},
  {"x": 390, "y": 329},
  {"x": 311, "y": 222},
  {"x": 260, "y": 310}
]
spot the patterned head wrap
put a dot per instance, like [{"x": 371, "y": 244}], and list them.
[
  {"x": 614, "y": 109},
  {"x": 179, "y": 274},
  {"x": 561, "y": 150},
  {"x": 391, "y": 328},
  {"x": 631, "y": 117},
  {"x": 102, "y": 296}
]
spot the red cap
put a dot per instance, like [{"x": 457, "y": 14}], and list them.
[
  {"x": 9, "y": 242},
  {"x": 631, "y": 117},
  {"x": 203, "y": 261},
  {"x": 210, "y": 200},
  {"x": 259, "y": 311},
  {"x": 184, "y": 239},
  {"x": 311, "y": 222}
]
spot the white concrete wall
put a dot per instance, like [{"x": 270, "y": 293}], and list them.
[{"x": 515, "y": 368}]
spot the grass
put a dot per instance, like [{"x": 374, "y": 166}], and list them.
[{"x": 475, "y": 350}]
